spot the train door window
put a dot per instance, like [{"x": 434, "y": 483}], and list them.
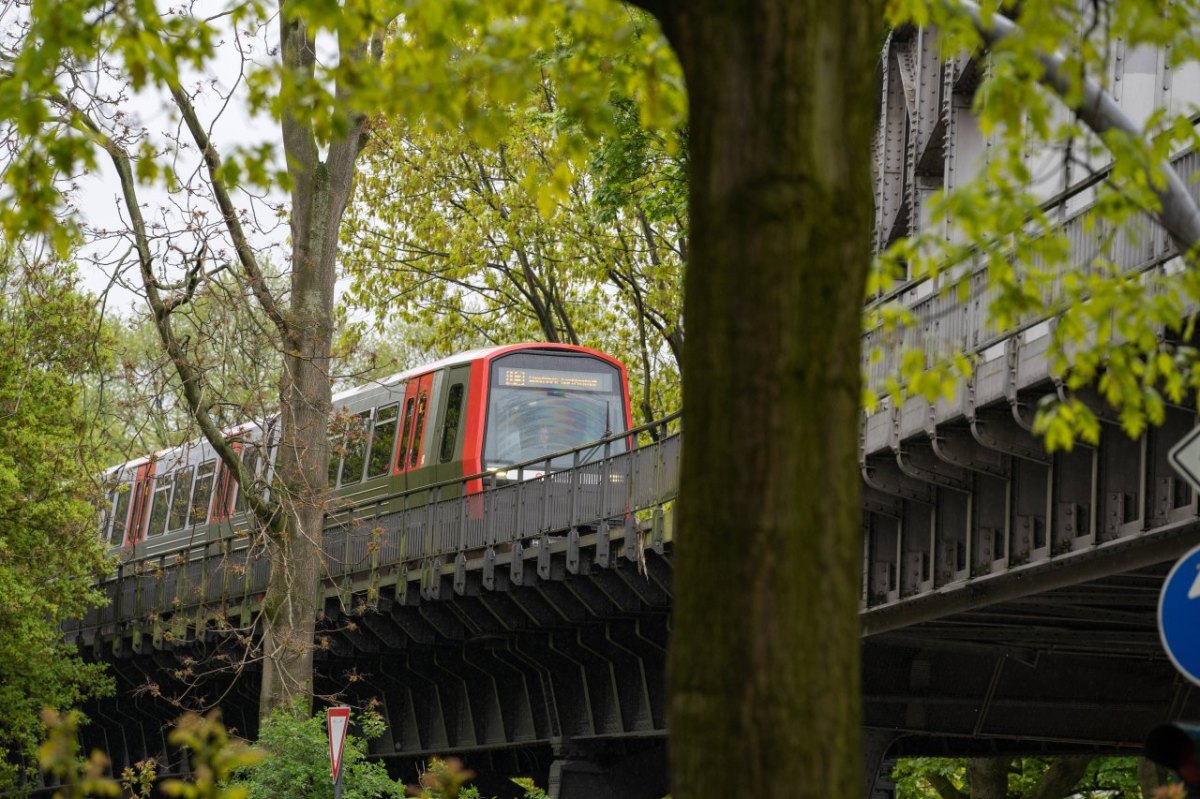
[
  {"x": 180, "y": 495},
  {"x": 224, "y": 489},
  {"x": 383, "y": 439},
  {"x": 202, "y": 493},
  {"x": 408, "y": 418},
  {"x": 454, "y": 401},
  {"x": 159, "y": 507},
  {"x": 416, "y": 439},
  {"x": 356, "y": 447},
  {"x": 121, "y": 514},
  {"x": 112, "y": 488},
  {"x": 335, "y": 452},
  {"x": 105, "y": 513},
  {"x": 250, "y": 461}
]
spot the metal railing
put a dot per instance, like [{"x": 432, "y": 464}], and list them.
[
  {"x": 944, "y": 323},
  {"x": 371, "y": 542}
]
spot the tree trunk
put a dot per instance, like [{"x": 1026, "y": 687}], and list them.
[
  {"x": 987, "y": 777},
  {"x": 1151, "y": 777},
  {"x": 321, "y": 190},
  {"x": 290, "y": 607},
  {"x": 1061, "y": 778},
  {"x": 764, "y": 661}
]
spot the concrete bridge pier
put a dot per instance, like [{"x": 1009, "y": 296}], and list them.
[
  {"x": 876, "y": 763},
  {"x": 579, "y": 774}
]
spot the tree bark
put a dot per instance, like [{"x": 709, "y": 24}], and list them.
[
  {"x": 1151, "y": 777},
  {"x": 987, "y": 777},
  {"x": 764, "y": 661},
  {"x": 944, "y": 787},
  {"x": 1061, "y": 778},
  {"x": 320, "y": 193}
]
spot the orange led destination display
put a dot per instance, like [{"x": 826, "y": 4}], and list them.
[{"x": 552, "y": 378}]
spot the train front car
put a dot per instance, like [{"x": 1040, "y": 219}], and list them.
[{"x": 547, "y": 400}]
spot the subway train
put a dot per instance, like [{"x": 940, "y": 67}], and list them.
[{"x": 477, "y": 412}]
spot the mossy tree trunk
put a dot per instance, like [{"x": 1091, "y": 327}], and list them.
[
  {"x": 320, "y": 192},
  {"x": 764, "y": 662}
]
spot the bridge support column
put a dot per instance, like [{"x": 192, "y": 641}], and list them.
[
  {"x": 573, "y": 775},
  {"x": 875, "y": 746},
  {"x": 576, "y": 779}
]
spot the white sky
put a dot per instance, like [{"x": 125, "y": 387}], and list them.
[{"x": 223, "y": 108}]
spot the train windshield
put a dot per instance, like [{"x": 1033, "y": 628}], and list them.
[{"x": 541, "y": 403}]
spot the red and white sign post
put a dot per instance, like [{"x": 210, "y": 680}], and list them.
[{"x": 337, "y": 722}]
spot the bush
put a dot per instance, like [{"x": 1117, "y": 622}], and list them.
[{"x": 296, "y": 762}]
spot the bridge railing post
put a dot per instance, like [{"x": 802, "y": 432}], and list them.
[
  {"x": 461, "y": 543},
  {"x": 427, "y": 538},
  {"x": 544, "y": 526},
  {"x": 519, "y": 525},
  {"x": 489, "y": 518},
  {"x": 573, "y": 499},
  {"x": 402, "y": 535}
]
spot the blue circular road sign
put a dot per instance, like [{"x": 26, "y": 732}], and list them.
[{"x": 1179, "y": 615}]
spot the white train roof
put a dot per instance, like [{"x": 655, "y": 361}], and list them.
[{"x": 457, "y": 359}]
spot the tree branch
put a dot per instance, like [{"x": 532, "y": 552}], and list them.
[
  {"x": 266, "y": 511},
  {"x": 944, "y": 787},
  {"x": 1063, "y": 775},
  {"x": 241, "y": 243}
]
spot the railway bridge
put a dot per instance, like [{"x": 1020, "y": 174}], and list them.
[
  {"x": 1008, "y": 596},
  {"x": 1008, "y": 602}
]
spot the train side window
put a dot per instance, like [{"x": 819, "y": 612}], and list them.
[
  {"x": 202, "y": 493},
  {"x": 356, "y": 448},
  {"x": 158, "y": 510},
  {"x": 111, "y": 489},
  {"x": 181, "y": 493},
  {"x": 416, "y": 439},
  {"x": 105, "y": 513},
  {"x": 383, "y": 438},
  {"x": 454, "y": 401},
  {"x": 121, "y": 515},
  {"x": 408, "y": 417}
]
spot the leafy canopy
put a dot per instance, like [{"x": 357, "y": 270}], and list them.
[
  {"x": 49, "y": 551},
  {"x": 469, "y": 243},
  {"x": 446, "y": 63},
  {"x": 1126, "y": 332}
]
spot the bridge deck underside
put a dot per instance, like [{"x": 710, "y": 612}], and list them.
[{"x": 1081, "y": 664}]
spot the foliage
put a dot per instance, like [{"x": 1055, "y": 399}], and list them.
[
  {"x": 49, "y": 552},
  {"x": 215, "y": 757},
  {"x": 918, "y": 777},
  {"x": 444, "y": 779},
  {"x": 60, "y": 758},
  {"x": 291, "y": 759},
  {"x": 532, "y": 791},
  {"x": 472, "y": 243},
  {"x": 446, "y": 61},
  {"x": 295, "y": 761},
  {"x": 1109, "y": 321},
  {"x": 67, "y": 75},
  {"x": 912, "y": 775},
  {"x": 139, "y": 398}
]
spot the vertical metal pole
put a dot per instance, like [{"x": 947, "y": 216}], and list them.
[{"x": 337, "y": 785}]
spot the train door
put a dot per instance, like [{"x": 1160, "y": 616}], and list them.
[
  {"x": 143, "y": 482},
  {"x": 411, "y": 457},
  {"x": 123, "y": 494},
  {"x": 222, "y": 507},
  {"x": 447, "y": 448}
]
